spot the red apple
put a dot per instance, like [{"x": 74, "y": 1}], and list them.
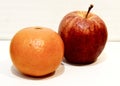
[{"x": 84, "y": 35}]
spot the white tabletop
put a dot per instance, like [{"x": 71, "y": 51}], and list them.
[{"x": 104, "y": 72}]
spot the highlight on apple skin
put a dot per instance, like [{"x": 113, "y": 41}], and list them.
[{"x": 84, "y": 35}]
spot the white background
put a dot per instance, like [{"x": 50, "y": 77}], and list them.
[{"x": 17, "y": 14}]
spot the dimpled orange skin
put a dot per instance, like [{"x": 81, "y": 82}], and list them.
[{"x": 36, "y": 51}]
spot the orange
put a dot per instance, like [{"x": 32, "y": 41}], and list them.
[{"x": 36, "y": 51}]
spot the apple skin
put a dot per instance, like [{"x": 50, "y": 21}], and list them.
[{"x": 84, "y": 38}]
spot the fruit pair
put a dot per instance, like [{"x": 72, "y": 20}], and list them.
[{"x": 38, "y": 51}]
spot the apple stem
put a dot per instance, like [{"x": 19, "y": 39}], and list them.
[{"x": 91, "y": 6}]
